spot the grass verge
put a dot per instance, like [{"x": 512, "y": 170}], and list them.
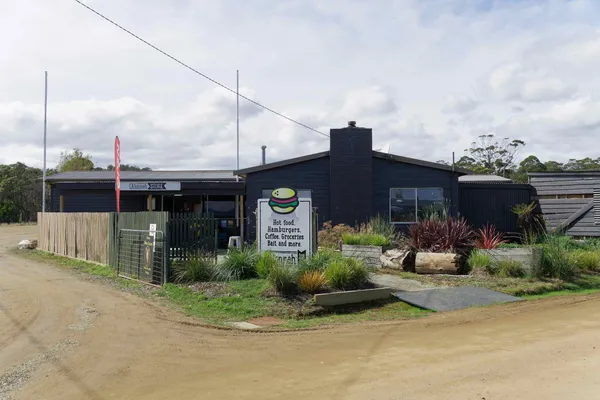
[
  {"x": 522, "y": 287},
  {"x": 221, "y": 302}
]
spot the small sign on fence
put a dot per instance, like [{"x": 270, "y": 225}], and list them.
[
  {"x": 148, "y": 266},
  {"x": 285, "y": 225},
  {"x": 153, "y": 234}
]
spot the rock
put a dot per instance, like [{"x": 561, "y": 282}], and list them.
[
  {"x": 27, "y": 244},
  {"x": 395, "y": 259},
  {"x": 24, "y": 244}
]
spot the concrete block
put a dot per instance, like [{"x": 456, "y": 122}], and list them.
[
  {"x": 371, "y": 255},
  {"x": 528, "y": 257},
  {"x": 244, "y": 325},
  {"x": 352, "y": 296}
]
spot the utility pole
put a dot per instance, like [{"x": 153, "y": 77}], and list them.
[{"x": 45, "y": 119}]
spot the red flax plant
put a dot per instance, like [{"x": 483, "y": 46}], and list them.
[
  {"x": 488, "y": 238},
  {"x": 441, "y": 236}
]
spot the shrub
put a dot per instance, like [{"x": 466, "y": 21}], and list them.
[
  {"x": 531, "y": 224},
  {"x": 379, "y": 225},
  {"x": 238, "y": 264},
  {"x": 507, "y": 268},
  {"x": 557, "y": 260},
  {"x": 587, "y": 260},
  {"x": 312, "y": 281},
  {"x": 197, "y": 268},
  {"x": 365, "y": 239},
  {"x": 433, "y": 213},
  {"x": 319, "y": 260},
  {"x": 330, "y": 236},
  {"x": 479, "y": 260},
  {"x": 432, "y": 235},
  {"x": 489, "y": 238},
  {"x": 266, "y": 261},
  {"x": 347, "y": 273},
  {"x": 284, "y": 278}
]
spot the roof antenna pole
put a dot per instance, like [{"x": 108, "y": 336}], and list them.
[
  {"x": 452, "y": 161},
  {"x": 237, "y": 112}
]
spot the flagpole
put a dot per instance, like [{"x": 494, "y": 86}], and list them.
[
  {"x": 237, "y": 112},
  {"x": 45, "y": 125}
]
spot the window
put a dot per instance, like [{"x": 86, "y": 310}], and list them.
[
  {"x": 302, "y": 193},
  {"x": 407, "y": 205}
]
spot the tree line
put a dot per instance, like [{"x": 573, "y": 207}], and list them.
[
  {"x": 21, "y": 185},
  {"x": 489, "y": 155}
]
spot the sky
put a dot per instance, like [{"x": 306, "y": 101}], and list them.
[{"x": 428, "y": 76}]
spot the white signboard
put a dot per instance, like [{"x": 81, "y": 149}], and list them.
[
  {"x": 150, "y": 186},
  {"x": 153, "y": 234},
  {"x": 285, "y": 225}
]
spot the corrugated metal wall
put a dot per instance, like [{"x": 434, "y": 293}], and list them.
[
  {"x": 565, "y": 206},
  {"x": 482, "y": 204}
]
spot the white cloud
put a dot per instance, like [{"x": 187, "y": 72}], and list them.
[
  {"x": 426, "y": 76},
  {"x": 514, "y": 82},
  {"x": 460, "y": 104}
]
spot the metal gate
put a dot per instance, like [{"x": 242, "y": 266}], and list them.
[{"x": 142, "y": 256}]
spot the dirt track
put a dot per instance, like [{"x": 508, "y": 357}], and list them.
[{"x": 65, "y": 338}]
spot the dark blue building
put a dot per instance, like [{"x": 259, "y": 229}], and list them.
[
  {"x": 351, "y": 183},
  {"x": 347, "y": 184}
]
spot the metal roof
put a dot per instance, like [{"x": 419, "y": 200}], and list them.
[
  {"x": 484, "y": 178},
  {"x": 562, "y": 173},
  {"x": 109, "y": 176},
  {"x": 377, "y": 154}
]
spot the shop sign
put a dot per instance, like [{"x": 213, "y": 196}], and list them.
[
  {"x": 285, "y": 225},
  {"x": 151, "y": 186}
]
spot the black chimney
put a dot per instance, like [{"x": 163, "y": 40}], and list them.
[
  {"x": 264, "y": 154},
  {"x": 350, "y": 174}
]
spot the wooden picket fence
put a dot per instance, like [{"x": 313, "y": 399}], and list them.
[{"x": 77, "y": 235}]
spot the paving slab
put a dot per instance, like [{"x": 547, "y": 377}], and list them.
[
  {"x": 397, "y": 283},
  {"x": 266, "y": 321},
  {"x": 456, "y": 298},
  {"x": 244, "y": 325}
]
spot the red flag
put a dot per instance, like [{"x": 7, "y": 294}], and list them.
[{"x": 118, "y": 172}]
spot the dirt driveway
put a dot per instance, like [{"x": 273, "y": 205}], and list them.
[{"x": 65, "y": 338}]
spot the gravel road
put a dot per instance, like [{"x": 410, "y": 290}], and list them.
[{"x": 63, "y": 337}]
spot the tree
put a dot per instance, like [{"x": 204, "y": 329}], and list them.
[
  {"x": 20, "y": 192},
  {"x": 493, "y": 156},
  {"x": 471, "y": 164},
  {"x": 75, "y": 161},
  {"x": 529, "y": 164},
  {"x": 553, "y": 166},
  {"x": 127, "y": 167},
  {"x": 585, "y": 164}
]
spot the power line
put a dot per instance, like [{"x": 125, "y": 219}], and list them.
[{"x": 198, "y": 72}]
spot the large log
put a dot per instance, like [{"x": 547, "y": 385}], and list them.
[{"x": 438, "y": 263}]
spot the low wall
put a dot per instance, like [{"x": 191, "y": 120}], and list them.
[
  {"x": 371, "y": 255},
  {"x": 528, "y": 257}
]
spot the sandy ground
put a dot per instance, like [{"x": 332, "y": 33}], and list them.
[{"x": 62, "y": 337}]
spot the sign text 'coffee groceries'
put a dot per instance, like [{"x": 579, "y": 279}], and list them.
[
  {"x": 151, "y": 186},
  {"x": 285, "y": 225}
]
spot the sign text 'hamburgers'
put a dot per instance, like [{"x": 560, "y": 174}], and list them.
[{"x": 285, "y": 225}]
